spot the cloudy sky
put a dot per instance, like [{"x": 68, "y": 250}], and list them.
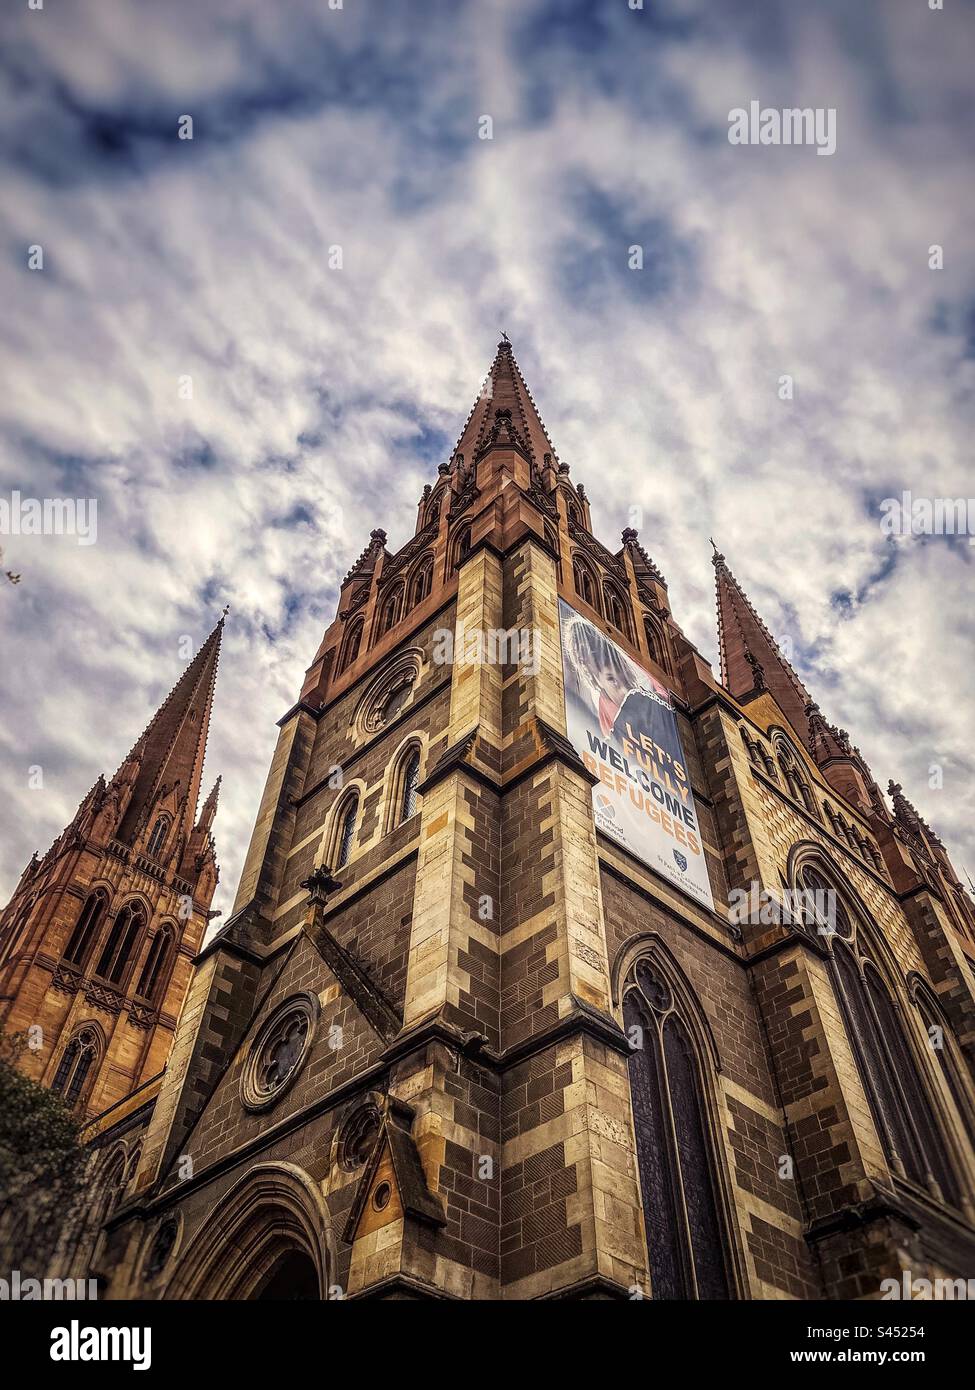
[{"x": 323, "y": 398}]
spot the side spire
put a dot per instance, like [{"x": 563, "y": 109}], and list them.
[
  {"x": 750, "y": 657},
  {"x": 170, "y": 751}
]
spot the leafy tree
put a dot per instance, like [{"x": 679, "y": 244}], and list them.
[{"x": 42, "y": 1165}]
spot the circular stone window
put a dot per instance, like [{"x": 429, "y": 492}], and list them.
[
  {"x": 279, "y": 1051},
  {"x": 389, "y": 694},
  {"x": 395, "y": 701},
  {"x": 381, "y": 1196},
  {"x": 358, "y": 1137}
]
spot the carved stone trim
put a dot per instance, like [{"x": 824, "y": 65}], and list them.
[
  {"x": 67, "y": 979},
  {"x": 109, "y": 1000}
]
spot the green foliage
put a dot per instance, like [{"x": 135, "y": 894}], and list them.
[{"x": 42, "y": 1164}]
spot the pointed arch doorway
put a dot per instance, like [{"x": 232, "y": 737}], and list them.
[{"x": 269, "y": 1238}]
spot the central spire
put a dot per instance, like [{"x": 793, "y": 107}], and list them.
[{"x": 505, "y": 407}]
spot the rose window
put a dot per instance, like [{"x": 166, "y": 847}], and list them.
[
  {"x": 279, "y": 1051},
  {"x": 282, "y": 1053}
]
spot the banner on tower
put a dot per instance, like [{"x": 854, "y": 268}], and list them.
[{"x": 623, "y": 726}]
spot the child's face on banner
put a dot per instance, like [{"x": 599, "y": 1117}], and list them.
[{"x": 612, "y": 682}]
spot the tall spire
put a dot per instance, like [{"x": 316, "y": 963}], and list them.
[
  {"x": 172, "y": 748},
  {"x": 505, "y": 405},
  {"x": 750, "y": 656}
]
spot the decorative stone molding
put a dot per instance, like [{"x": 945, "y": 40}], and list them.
[
  {"x": 103, "y": 998},
  {"x": 142, "y": 1015},
  {"x": 67, "y": 979}
]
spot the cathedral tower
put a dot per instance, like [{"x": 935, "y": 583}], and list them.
[
  {"x": 506, "y": 1011},
  {"x": 96, "y": 943}
]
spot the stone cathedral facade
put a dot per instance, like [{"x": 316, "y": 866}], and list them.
[{"x": 455, "y": 1043}]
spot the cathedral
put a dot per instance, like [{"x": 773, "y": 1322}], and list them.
[{"x": 560, "y": 966}]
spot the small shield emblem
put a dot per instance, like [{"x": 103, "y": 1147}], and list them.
[{"x": 681, "y": 861}]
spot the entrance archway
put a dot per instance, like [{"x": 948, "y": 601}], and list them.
[{"x": 270, "y": 1237}]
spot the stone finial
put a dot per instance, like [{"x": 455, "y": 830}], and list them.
[{"x": 319, "y": 885}]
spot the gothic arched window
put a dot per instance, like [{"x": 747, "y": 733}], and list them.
[
  {"x": 895, "y": 1090},
  {"x": 944, "y": 1045},
  {"x": 350, "y": 646},
  {"x": 461, "y": 547},
  {"x": 655, "y": 644},
  {"x": 157, "y": 963},
  {"x": 617, "y": 610},
  {"x": 129, "y": 924},
  {"x": 113, "y": 1183},
  {"x": 795, "y": 778},
  {"x": 158, "y": 837},
  {"x": 409, "y": 780},
  {"x": 675, "y": 1155},
  {"x": 404, "y": 778},
  {"x": 76, "y": 1064},
  {"x": 86, "y": 928},
  {"x": 348, "y": 815},
  {"x": 421, "y": 583},
  {"x": 585, "y": 585},
  {"x": 552, "y": 538},
  {"x": 389, "y": 613}
]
